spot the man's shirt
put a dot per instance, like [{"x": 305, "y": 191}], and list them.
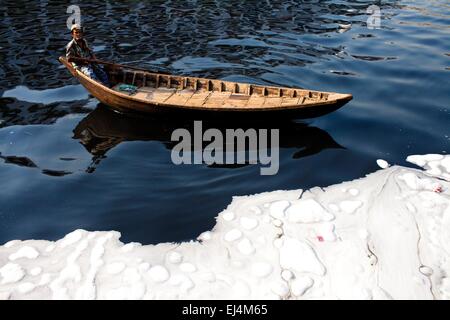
[{"x": 78, "y": 49}]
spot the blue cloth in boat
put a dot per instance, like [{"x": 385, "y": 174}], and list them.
[{"x": 96, "y": 73}]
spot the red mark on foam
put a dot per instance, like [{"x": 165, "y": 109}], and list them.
[{"x": 320, "y": 238}]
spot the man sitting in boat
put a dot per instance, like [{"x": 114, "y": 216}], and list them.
[{"x": 78, "y": 48}]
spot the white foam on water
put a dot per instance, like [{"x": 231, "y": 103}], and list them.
[
  {"x": 24, "y": 252},
  {"x": 205, "y": 236},
  {"x": 115, "y": 267},
  {"x": 26, "y": 287},
  {"x": 11, "y": 243},
  {"x": 277, "y": 209},
  {"x": 383, "y": 164},
  {"x": 36, "y": 271},
  {"x": 308, "y": 211},
  {"x": 228, "y": 216},
  {"x": 349, "y": 206},
  {"x": 299, "y": 256},
  {"x": 233, "y": 235},
  {"x": 301, "y": 285},
  {"x": 188, "y": 267},
  {"x": 159, "y": 273},
  {"x": 175, "y": 257},
  {"x": 11, "y": 273},
  {"x": 280, "y": 288},
  {"x": 249, "y": 223},
  {"x": 245, "y": 246},
  {"x": 71, "y": 238},
  {"x": 267, "y": 246},
  {"x": 262, "y": 269}
]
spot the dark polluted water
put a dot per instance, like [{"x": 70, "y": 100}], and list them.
[{"x": 67, "y": 162}]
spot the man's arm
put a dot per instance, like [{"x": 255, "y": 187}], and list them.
[
  {"x": 71, "y": 53},
  {"x": 91, "y": 53}
]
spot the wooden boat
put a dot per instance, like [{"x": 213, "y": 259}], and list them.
[{"x": 181, "y": 95}]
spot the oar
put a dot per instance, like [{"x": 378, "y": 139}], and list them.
[{"x": 76, "y": 59}]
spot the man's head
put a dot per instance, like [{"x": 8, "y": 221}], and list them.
[{"x": 77, "y": 32}]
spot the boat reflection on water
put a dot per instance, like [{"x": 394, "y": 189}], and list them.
[{"x": 103, "y": 129}]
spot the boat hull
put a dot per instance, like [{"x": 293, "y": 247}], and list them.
[{"x": 124, "y": 103}]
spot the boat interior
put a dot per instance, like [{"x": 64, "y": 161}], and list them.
[{"x": 207, "y": 93}]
